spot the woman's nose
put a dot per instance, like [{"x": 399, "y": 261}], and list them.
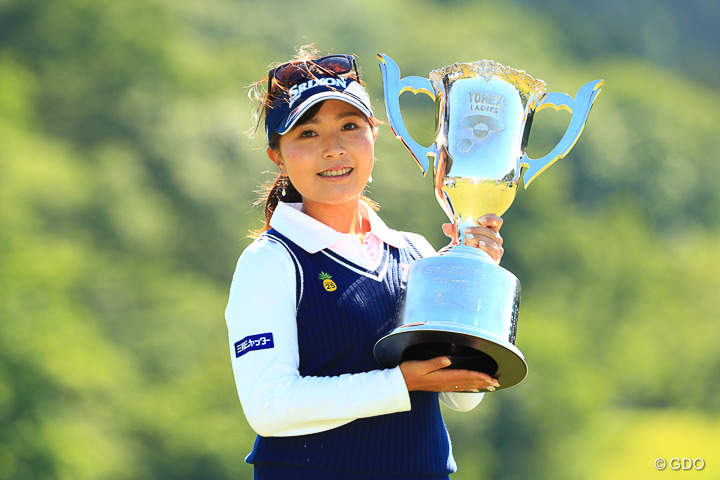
[{"x": 333, "y": 146}]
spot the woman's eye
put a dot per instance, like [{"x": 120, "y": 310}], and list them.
[
  {"x": 350, "y": 126},
  {"x": 307, "y": 133}
]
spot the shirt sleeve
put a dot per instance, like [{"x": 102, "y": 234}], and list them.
[{"x": 276, "y": 400}]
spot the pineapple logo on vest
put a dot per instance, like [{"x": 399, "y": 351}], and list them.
[{"x": 328, "y": 284}]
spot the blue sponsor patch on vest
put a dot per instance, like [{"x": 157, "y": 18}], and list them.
[{"x": 253, "y": 342}]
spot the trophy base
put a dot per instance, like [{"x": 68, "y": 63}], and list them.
[
  {"x": 462, "y": 306},
  {"x": 468, "y": 350}
]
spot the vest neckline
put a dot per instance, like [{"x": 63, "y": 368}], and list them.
[{"x": 377, "y": 274}]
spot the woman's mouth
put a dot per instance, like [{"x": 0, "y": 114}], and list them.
[{"x": 336, "y": 173}]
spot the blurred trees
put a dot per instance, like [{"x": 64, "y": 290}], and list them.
[{"x": 125, "y": 192}]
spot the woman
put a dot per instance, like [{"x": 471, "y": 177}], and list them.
[{"x": 318, "y": 287}]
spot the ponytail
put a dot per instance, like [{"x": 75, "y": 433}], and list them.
[{"x": 280, "y": 189}]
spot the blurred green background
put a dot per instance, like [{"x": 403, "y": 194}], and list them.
[{"x": 126, "y": 190}]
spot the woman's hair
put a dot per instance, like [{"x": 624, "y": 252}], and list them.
[{"x": 281, "y": 188}]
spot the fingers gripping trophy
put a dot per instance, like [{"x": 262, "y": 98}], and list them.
[{"x": 460, "y": 303}]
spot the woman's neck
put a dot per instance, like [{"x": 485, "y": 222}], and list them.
[{"x": 346, "y": 218}]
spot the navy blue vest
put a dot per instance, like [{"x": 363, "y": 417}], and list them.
[{"x": 343, "y": 309}]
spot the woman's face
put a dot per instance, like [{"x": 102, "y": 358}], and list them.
[{"x": 328, "y": 158}]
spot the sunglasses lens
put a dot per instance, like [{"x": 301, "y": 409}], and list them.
[
  {"x": 335, "y": 64},
  {"x": 291, "y": 73}
]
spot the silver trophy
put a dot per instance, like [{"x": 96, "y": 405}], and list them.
[{"x": 460, "y": 303}]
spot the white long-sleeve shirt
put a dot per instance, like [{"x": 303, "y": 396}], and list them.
[{"x": 276, "y": 400}]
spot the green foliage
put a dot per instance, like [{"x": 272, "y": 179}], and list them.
[{"x": 126, "y": 186}]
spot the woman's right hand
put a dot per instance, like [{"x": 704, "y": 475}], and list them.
[{"x": 434, "y": 376}]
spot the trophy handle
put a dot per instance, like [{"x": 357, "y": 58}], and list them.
[
  {"x": 393, "y": 87},
  {"x": 579, "y": 109}
]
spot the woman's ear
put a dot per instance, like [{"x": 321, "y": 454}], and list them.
[{"x": 274, "y": 155}]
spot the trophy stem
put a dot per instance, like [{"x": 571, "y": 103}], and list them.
[{"x": 459, "y": 248}]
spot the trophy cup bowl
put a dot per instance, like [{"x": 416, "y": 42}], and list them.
[{"x": 461, "y": 304}]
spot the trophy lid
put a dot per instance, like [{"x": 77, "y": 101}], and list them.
[{"x": 523, "y": 82}]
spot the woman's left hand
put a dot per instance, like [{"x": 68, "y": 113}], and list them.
[{"x": 485, "y": 236}]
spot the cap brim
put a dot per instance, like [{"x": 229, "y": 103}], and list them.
[{"x": 295, "y": 115}]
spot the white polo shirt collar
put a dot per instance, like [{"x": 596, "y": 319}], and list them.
[{"x": 313, "y": 236}]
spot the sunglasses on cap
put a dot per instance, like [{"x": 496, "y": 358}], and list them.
[{"x": 292, "y": 72}]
